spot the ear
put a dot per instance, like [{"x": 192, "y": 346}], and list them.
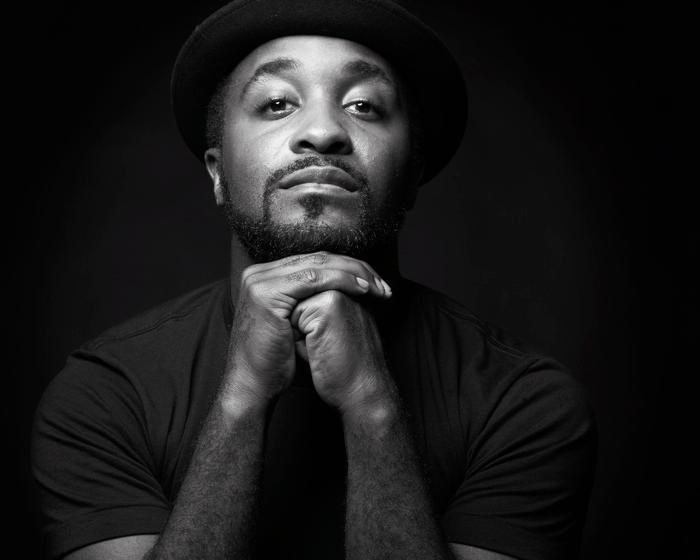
[{"x": 212, "y": 159}]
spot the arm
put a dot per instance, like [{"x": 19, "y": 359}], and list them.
[
  {"x": 389, "y": 514},
  {"x": 215, "y": 510},
  {"x": 389, "y": 511},
  {"x": 388, "y": 508},
  {"x": 383, "y": 482},
  {"x": 214, "y": 514}
]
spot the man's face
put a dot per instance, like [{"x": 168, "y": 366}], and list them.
[{"x": 315, "y": 152}]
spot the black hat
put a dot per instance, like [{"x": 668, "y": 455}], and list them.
[{"x": 226, "y": 37}]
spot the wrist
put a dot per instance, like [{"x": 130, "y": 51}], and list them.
[
  {"x": 244, "y": 388},
  {"x": 237, "y": 401},
  {"x": 375, "y": 415}
]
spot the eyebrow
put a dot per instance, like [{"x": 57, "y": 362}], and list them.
[
  {"x": 367, "y": 71},
  {"x": 271, "y": 68},
  {"x": 359, "y": 69}
]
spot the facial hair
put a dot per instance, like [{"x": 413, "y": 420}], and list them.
[{"x": 266, "y": 241}]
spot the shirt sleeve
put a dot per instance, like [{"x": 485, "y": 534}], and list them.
[
  {"x": 91, "y": 458},
  {"x": 527, "y": 483}
]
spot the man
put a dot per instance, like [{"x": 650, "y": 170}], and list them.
[{"x": 315, "y": 404}]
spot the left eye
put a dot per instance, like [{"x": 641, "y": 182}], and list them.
[{"x": 362, "y": 107}]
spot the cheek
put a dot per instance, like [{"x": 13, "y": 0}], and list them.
[
  {"x": 387, "y": 158},
  {"x": 247, "y": 166}
]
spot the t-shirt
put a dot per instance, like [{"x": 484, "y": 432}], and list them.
[{"x": 505, "y": 435}]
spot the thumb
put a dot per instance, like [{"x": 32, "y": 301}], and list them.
[{"x": 307, "y": 313}]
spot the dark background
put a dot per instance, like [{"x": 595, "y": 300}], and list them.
[{"x": 561, "y": 218}]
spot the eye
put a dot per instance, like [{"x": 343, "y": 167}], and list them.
[
  {"x": 276, "y": 107},
  {"x": 364, "y": 108}
]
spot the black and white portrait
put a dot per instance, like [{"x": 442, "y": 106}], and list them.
[{"x": 348, "y": 279}]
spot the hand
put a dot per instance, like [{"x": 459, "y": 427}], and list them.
[
  {"x": 261, "y": 358},
  {"x": 344, "y": 351}
]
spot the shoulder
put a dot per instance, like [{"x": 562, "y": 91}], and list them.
[
  {"x": 144, "y": 358},
  {"x": 512, "y": 424},
  {"x": 496, "y": 371},
  {"x": 180, "y": 312},
  {"x": 447, "y": 316}
]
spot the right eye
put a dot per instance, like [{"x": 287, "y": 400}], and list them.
[{"x": 276, "y": 107}]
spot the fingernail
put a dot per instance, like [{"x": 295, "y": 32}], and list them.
[
  {"x": 387, "y": 288},
  {"x": 362, "y": 282},
  {"x": 379, "y": 283}
]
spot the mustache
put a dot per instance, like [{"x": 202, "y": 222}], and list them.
[{"x": 311, "y": 161}]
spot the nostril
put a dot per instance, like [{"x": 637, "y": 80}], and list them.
[
  {"x": 337, "y": 147},
  {"x": 306, "y": 145},
  {"x": 324, "y": 146}
]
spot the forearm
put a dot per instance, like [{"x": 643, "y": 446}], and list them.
[
  {"x": 389, "y": 512},
  {"x": 213, "y": 516}
]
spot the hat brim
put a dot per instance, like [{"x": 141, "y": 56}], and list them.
[{"x": 221, "y": 41}]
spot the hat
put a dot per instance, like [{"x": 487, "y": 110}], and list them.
[{"x": 227, "y": 36}]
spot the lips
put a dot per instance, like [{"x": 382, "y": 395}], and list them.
[{"x": 326, "y": 175}]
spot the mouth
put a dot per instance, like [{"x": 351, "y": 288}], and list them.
[{"x": 326, "y": 176}]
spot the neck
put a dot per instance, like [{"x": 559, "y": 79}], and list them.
[{"x": 384, "y": 260}]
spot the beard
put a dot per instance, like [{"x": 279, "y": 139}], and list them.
[{"x": 265, "y": 240}]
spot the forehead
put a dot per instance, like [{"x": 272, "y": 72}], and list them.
[{"x": 314, "y": 55}]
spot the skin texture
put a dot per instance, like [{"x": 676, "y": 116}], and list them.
[
  {"x": 312, "y": 304},
  {"x": 291, "y": 113}
]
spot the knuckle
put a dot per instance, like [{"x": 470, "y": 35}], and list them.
[
  {"x": 253, "y": 268},
  {"x": 321, "y": 257},
  {"x": 356, "y": 261},
  {"x": 247, "y": 273},
  {"x": 246, "y": 283},
  {"x": 334, "y": 298},
  {"x": 252, "y": 278},
  {"x": 306, "y": 275},
  {"x": 310, "y": 275},
  {"x": 255, "y": 290},
  {"x": 292, "y": 260}
]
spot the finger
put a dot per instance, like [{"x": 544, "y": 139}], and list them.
[
  {"x": 305, "y": 311},
  {"x": 304, "y": 283},
  {"x": 318, "y": 257},
  {"x": 334, "y": 278},
  {"x": 321, "y": 259},
  {"x": 296, "y": 313}
]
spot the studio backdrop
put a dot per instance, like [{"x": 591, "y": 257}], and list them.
[{"x": 556, "y": 220}]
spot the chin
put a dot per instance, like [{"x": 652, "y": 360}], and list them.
[
  {"x": 271, "y": 241},
  {"x": 322, "y": 223},
  {"x": 314, "y": 210},
  {"x": 358, "y": 235}
]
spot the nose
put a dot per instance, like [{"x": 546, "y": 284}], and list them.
[{"x": 320, "y": 130}]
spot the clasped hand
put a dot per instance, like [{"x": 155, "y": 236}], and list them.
[{"x": 307, "y": 305}]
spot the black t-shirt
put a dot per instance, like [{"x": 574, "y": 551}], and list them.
[{"x": 506, "y": 435}]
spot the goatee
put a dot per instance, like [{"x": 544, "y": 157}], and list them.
[{"x": 265, "y": 241}]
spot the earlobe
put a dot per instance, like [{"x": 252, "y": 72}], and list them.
[
  {"x": 219, "y": 195},
  {"x": 212, "y": 160}
]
